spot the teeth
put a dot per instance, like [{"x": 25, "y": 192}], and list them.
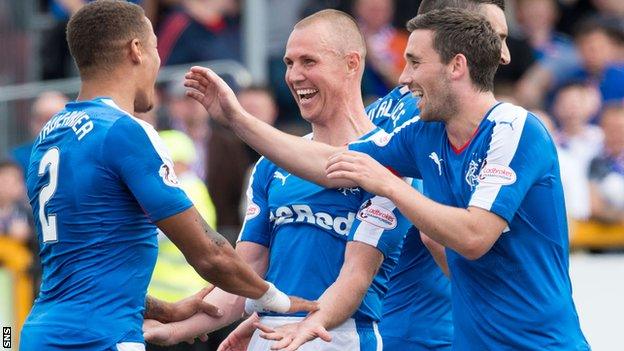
[{"x": 306, "y": 91}]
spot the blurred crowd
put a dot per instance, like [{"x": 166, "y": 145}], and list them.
[{"x": 567, "y": 67}]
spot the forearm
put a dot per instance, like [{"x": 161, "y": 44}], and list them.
[
  {"x": 305, "y": 158},
  {"x": 437, "y": 252},
  {"x": 340, "y": 301},
  {"x": 157, "y": 309},
  {"x": 449, "y": 226},
  {"x": 201, "y": 323}
]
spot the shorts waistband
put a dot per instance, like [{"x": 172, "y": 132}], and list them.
[{"x": 349, "y": 325}]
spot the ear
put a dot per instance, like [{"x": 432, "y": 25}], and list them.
[
  {"x": 458, "y": 67},
  {"x": 354, "y": 61},
  {"x": 136, "y": 54}
]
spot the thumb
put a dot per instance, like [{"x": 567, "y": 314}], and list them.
[
  {"x": 323, "y": 334},
  {"x": 210, "y": 309}
]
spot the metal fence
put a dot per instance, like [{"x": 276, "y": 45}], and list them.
[{"x": 15, "y": 100}]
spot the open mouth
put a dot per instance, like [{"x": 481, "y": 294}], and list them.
[{"x": 306, "y": 94}]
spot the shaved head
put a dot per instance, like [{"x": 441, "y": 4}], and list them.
[{"x": 342, "y": 32}]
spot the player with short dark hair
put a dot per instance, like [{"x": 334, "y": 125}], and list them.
[{"x": 98, "y": 182}]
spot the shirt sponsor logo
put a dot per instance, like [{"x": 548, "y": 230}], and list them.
[
  {"x": 438, "y": 161},
  {"x": 381, "y": 139},
  {"x": 253, "y": 210},
  {"x": 377, "y": 216},
  {"x": 497, "y": 174},
  {"x": 168, "y": 175},
  {"x": 304, "y": 214}
]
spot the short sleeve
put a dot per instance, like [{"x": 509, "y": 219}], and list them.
[
  {"x": 520, "y": 153},
  {"x": 257, "y": 225},
  {"x": 394, "y": 150},
  {"x": 133, "y": 150},
  {"x": 380, "y": 224}
]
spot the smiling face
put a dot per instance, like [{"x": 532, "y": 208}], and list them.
[
  {"x": 427, "y": 77},
  {"x": 315, "y": 71}
]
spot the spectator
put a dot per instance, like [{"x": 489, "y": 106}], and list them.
[
  {"x": 230, "y": 159},
  {"x": 607, "y": 170},
  {"x": 578, "y": 142},
  {"x": 191, "y": 118},
  {"x": 600, "y": 43},
  {"x": 44, "y": 107},
  {"x": 384, "y": 60},
  {"x": 201, "y": 30},
  {"x": 14, "y": 214}
]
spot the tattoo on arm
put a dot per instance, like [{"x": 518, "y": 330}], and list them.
[
  {"x": 155, "y": 309},
  {"x": 216, "y": 238}
]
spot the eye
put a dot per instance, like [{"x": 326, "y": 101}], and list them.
[{"x": 308, "y": 62}]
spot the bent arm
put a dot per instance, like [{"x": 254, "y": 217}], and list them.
[
  {"x": 343, "y": 297},
  {"x": 211, "y": 255},
  {"x": 471, "y": 232},
  {"x": 437, "y": 252}
]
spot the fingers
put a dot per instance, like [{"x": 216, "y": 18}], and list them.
[
  {"x": 323, "y": 334},
  {"x": 282, "y": 343},
  {"x": 195, "y": 95},
  {"x": 298, "y": 304},
  {"x": 203, "y": 337},
  {"x": 210, "y": 309},
  {"x": 263, "y": 328},
  {"x": 205, "y": 291}
]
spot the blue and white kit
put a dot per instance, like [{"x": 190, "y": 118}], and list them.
[
  {"x": 306, "y": 228},
  {"x": 418, "y": 291},
  {"x": 518, "y": 295},
  {"x": 98, "y": 180}
]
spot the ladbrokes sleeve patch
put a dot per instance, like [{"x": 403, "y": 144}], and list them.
[
  {"x": 377, "y": 216},
  {"x": 497, "y": 174}
]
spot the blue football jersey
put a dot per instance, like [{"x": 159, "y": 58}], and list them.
[
  {"x": 306, "y": 228},
  {"x": 98, "y": 180},
  {"x": 418, "y": 291},
  {"x": 518, "y": 295}
]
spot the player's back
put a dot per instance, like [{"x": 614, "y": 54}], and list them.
[{"x": 97, "y": 244}]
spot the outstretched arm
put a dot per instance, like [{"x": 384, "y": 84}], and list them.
[
  {"x": 230, "y": 305},
  {"x": 304, "y": 158}
]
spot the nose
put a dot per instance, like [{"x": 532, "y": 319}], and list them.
[
  {"x": 293, "y": 74},
  {"x": 405, "y": 77},
  {"x": 505, "y": 55}
]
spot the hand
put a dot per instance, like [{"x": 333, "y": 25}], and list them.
[
  {"x": 187, "y": 307},
  {"x": 298, "y": 304},
  {"x": 239, "y": 338},
  {"x": 207, "y": 88},
  {"x": 291, "y": 336},
  {"x": 363, "y": 170},
  {"x": 164, "y": 334}
]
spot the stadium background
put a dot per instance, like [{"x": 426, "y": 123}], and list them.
[{"x": 567, "y": 65}]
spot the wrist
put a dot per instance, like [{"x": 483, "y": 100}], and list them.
[{"x": 272, "y": 300}]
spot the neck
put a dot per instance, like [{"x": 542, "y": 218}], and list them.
[
  {"x": 572, "y": 129},
  {"x": 119, "y": 89},
  {"x": 344, "y": 125},
  {"x": 472, "y": 108}
]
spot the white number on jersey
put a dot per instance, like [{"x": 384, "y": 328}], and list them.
[{"x": 49, "y": 163}]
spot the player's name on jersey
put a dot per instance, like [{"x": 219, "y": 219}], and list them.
[
  {"x": 392, "y": 109},
  {"x": 78, "y": 121},
  {"x": 304, "y": 214}
]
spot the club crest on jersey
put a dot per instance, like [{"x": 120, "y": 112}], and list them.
[
  {"x": 377, "y": 216},
  {"x": 168, "y": 175},
  {"x": 472, "y": 175},
  {"x": 349, "y": 191},
  {"x": 253, "y": 210},
  {"x": 497, "y": 174}
]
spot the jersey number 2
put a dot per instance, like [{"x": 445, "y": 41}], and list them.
[{"x": 49, "y": 164}]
